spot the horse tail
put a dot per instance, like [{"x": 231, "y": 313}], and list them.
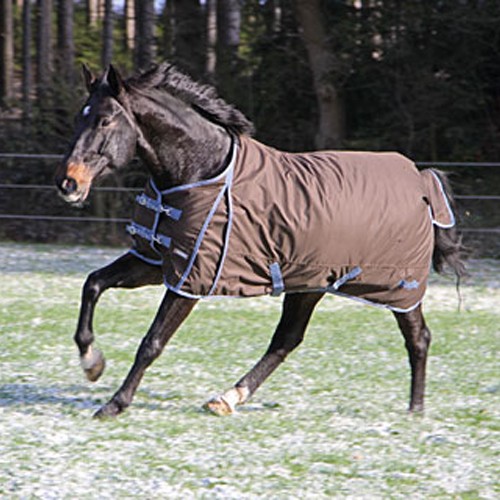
[{"x": 448, "y": 247}]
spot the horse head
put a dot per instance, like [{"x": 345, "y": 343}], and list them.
[{"x": 105, "y": 136}]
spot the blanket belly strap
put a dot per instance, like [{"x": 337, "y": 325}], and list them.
[{"x": 355, "y": 272}]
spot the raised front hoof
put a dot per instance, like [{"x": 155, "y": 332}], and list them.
[
  {"x": 218, "y": 406},
  {"x": 93, "y": 365},
  {"x": 109, "y": 410}
]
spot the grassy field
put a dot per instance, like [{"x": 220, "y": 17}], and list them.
[{"x": 331, "y": 423}]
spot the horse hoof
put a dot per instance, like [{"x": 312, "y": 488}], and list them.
[
  {"x": 417, "y": 409},
  {"x": 109, "y": 410},
  {"x": 93, "y": 364},
  {"x": 219, "y": 406}
]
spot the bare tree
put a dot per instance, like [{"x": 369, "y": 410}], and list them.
[
  {"x": 228, "y": 41},
  {"x": 228, "y": 25},
  {"x": 27, "y": 66},
  {"x": 273, "y": 18},
  {"x": 331, "y": 120},
  {"x": 129, "y": 15},
  {"x": 65, "y": 40},
  {"x": 92, "y": 12},
  {"x": 211, "y": 60},
  {"x": 6, "y": 51},
  {"x": 189, "y": 30},
  {"x": 145, "y": 47},
  {"x": 168, "y": 22},
  {"x": 107, "y": 33},
  {"x": 44, "y": 47}
]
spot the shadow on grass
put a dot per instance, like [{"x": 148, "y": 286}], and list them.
[
  {"x": 26, "y": 396},
  {"x": 29, "y": 395}
]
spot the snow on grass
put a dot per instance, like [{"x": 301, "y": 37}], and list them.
[{"x": 330, "y": 423}]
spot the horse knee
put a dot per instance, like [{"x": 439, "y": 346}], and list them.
[
  {"x": 92, "y": 288},
  {"x": 419, "y": 344},
  {"x": 425, "y": 337}
]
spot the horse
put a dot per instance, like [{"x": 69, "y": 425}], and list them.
[{"x": 224, "y": 215}]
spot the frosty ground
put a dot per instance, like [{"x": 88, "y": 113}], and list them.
[{"x": 331, "y": 423}]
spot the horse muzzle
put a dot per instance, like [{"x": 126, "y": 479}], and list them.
[{"x": 73, "y": 181}]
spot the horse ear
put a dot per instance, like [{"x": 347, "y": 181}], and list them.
[
  {"x": 88, "y": 77},
  {"x": 115, "y": 80}
]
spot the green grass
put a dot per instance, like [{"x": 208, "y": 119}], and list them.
[{"x": 331, "y": 422}]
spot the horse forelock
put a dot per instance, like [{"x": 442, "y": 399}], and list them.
[{"x": 201, "y": 97}]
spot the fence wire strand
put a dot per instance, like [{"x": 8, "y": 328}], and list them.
[{"x": 120, "y": 190}]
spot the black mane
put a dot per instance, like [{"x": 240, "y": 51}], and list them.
[{"x": 203, "y": 98}]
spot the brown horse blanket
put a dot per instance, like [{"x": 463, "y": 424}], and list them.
[{"x": 353, "y": 223}]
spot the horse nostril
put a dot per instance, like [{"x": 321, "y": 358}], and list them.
[{"x": 68, "y": 186}]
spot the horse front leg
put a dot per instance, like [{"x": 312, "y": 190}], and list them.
[
  {"x": 126, "y": 272},
  {"x": 295, "y": 316},
  {"x": 417, "y": 340},
  {"x": 172, "y": 312}
]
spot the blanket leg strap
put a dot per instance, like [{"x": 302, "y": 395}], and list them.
[{"x": 277, "y": 279}]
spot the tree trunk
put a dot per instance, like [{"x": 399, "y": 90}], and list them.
[
  {"x": 44, "y": 48},
  {"x": 228, "y": 41},
  {"x": 6, "y": 51},
  {"x": 187, "y": 27},
  {"x": 273, "y": 15},
  {"x": 168, "y": 22},
  {"x": 129, "y": 14},
  {"x": 331, "y": 120},
  {"x": 211, "y": 60},
  {"x": 145, "y": 37},
  {"x": 92, "y": 12},
  {"x": 27, "y": 66},
  {"x": 229, "y": 24},
  {"x": 107, "y": 34},
  {"x": 65, "y": 41}
]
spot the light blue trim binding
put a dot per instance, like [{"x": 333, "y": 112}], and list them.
[
  {"x": 199, "y": 240},
  {"x": 375, "y": 304},
  {"x": 277, "y": 279},
  {"x": 450, "y": 211},
  {"x": 229, "y": 226},
  {"x": 225, "y": 191},
  {"x": 153, "y": 262},
  {"x": 205, "y": 182}
]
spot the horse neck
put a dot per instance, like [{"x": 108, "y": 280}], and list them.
[{"x": 180, "y": 151}]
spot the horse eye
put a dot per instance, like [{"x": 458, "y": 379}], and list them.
[
  {"x": 86, "y": 111},
  {"x": 105, "y": 122}
]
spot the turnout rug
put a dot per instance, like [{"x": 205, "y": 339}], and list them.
[{"x": 358, "y": 224}]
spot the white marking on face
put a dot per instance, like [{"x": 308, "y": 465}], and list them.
[{"x": 86, "y": 110}]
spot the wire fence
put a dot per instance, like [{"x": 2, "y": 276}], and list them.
[{"x": 30, "y": 160}]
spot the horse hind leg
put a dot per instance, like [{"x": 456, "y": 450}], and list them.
[
  {"x": 296, "y": 313},
  {"x": 125, "y": 272},
  {"x": 417, "y": 340}
]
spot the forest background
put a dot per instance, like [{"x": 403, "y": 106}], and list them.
[{"x": 419, "y": 77}]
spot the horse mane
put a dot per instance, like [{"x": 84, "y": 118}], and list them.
[{"x": 201, "y": 97}]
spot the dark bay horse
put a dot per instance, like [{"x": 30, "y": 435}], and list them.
[{"x": 225, "y": 215}]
